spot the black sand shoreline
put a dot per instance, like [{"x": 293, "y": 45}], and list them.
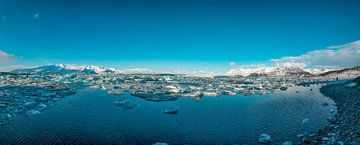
[{"x": 344, "y": 126}]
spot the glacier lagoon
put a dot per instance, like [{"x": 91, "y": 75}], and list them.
[{"x": 90, "y": 117}]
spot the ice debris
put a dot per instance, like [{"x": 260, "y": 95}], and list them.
[
  {"x": 126, "y": 104},
  {"x": 264, "y": 138},
  {"x": 172, "y": 110}
]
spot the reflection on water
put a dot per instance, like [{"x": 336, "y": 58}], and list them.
[{"x": 90, "y": 116}]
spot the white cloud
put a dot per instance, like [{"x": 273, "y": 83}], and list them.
[
  {"x": 5, "y": 57},
  {"x": 232, "y": 63},
  {"x": 346, "y": 55},
  {"x": 290, "y": 61},
  {"x": 245, "y": 70},
  {"x": 317, "y": 61},
  {"x": 37, "y": 15},
  {"x": 14, "y": 67}
]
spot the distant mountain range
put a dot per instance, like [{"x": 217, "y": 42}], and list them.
[
  {"x": 50, "y": 69},
  {"x": 268, "y": 71},
  {"x": 86, "y": 69},
  {"x": 258, "y": 71}
]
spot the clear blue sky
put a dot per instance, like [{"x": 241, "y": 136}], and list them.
[{"x": 172, "y": 34}]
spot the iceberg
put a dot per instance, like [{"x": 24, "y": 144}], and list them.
[
  {"x": 264, "y": 139},
  {"x": 125, "y": 104},
  {"x": 172, "y": 110}
]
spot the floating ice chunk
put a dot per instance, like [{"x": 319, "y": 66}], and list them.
[
  {"x": 325, "y": 104},
  {"x": 154, "y": 97},
  {"x": 41, "y": 105},
  {"x": 42, "y": 100},
  {"x": 125, "y": 104},
  {"x": 210, "y": 93},
  {"x": 287, "y": 143},
  {"x": 264, "y": 138},
  {"x": 283, "y": 88},
  {"x": 121, "y": 103},
  {"x": 160, "y": 143},
  {"x": 116, "y": 91},
  {"x": 172, "y": 110},
  {"x": 332, "y": 112},
  {"x": 305, "y": 121},
  {"x": 3, "y": 105},
  {"x": 29, "y": 104},
  {"x": 33, "y": 112},
  {"x": 94, "y": 87},
  {"x": 130, "y": 105},
  {"x": 48, "y": 94},
  {"x": 161, "y": 98},
  {"x": 351, "y": 85}
]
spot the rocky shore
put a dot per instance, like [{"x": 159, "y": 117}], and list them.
[{"x": 344, "y": 126}]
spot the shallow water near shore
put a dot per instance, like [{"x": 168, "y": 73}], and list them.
[{"x": 90, "y": 117}]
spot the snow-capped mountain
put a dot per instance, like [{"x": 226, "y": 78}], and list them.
[
  {"x": 50, "y": 69},
  {"x": 254, "y": 71},
  {"x": 346, "y": 73},
  {"x": 289, "y": 71},
  {"x": 61, "y": 69},
  {"x": 68, "y": 66},
  {"x": 104, "y": 70},
  {"x": 317, "y": 71},
  {"x": 268, "y": 71},
  {"x": 249, "y": 71},
  {"x": 86, "y": 69},
  {"x": 91, "y": 69}
]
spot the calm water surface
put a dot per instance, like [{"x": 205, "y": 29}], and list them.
[{"x": 90, "y": 117}]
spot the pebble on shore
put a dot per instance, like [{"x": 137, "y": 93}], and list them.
[{"x": 344, "y": 127}]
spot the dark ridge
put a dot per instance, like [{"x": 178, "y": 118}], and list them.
[{"x": 338, "y": 71}]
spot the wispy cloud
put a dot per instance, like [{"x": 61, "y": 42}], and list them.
[
  {"x": 5, "y": 57},
  {"x": 332, "y": 57},
  {"x": 232, "y": 63},
  {"x": 346, "y": 55},
  {"x": 245, "y": 70},
  {"x": 290, "y": 61}
]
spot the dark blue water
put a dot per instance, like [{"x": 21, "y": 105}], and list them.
[{"x": 90, "y": 117}]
